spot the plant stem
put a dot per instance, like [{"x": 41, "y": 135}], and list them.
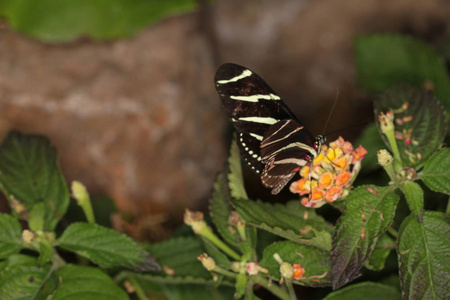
[
  {"x": 224, "y": 272},
  {"x": 138, "y": 289},
  {"x": 393, "y": 232},
  {"x": 273, "y": 288},
  {"x": 221, "y": 245},
  {"x": 290, "y": 288}
]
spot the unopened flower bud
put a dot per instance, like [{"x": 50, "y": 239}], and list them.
[
  {"x": 195, "y": 220},
  {"x": 28, "y": 236},
  {"x": 386, "y": 121},
  {"x": 384, "y": 157},
  {"x": 207, "y": 262},
  {"x": 286, "y": 270}
]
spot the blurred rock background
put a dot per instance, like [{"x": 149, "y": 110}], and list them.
[{"x": 138, "y": 118}]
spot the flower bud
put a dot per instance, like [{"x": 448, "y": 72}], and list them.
[
  {"x": 207, "y": 262},
  {"x": 384, "y": 157}
]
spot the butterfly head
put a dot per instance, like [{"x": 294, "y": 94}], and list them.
[{"x": 320, "y": 140}]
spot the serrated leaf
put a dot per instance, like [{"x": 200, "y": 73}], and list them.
[
  {"x": 420, "y": 122},
  {"x": 220, "y": 208},
  {"x": 436, "y": 173},
  {"x": 315, "y": 262},
  {"x": 87, "y": 283},
  {"x": 62, "y": 21},
  {"x": 368, "y": 213},
  {"x": 180, "y": 255},
  {"x": 424, "y": 256},
  {"x": 29, "y": 173},
  {"x": 383, "y": 247},
  {"x": 236, "y": 181},
  {"x": 105, "y": 247},
  {"x": 414, "y": 197},
  {"x": 366, "y": 291},
  {"x": 292, "y": 221},
  {"x": 10, "y": 236},
  {"x": 385, "y": 60},
  {"x": 21, "y": 281}
]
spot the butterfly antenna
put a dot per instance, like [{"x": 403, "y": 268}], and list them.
[{"x": 331, "y": 112}]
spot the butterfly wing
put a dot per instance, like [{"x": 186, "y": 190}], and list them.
[
  {"x": 285, "y": 148},
  {"x": 252, "y": 107},
  {"x": 264, "y": 125}
]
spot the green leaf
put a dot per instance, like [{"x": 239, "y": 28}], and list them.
[
  {"x": 22, "y": 279},
  {"x": 29, "y": 173},
  {"x": 180, "y": 255},
  {"x": 46, "y": 250},
  {"x": 197, "y": 292},
  {"x": 369, "y": 212},
  {"x": 414, "y": 197},
  {"x": 38, "y": 215},
  {"x": 366, "y": 291},
  {"x": 10, "y": 236},
  {"x": 65, "y": 20},
  {"x": 385, "y": 60},
  {"x": 236, "y": 181},
  {"x": 241, "y": 285},
  {"x": 371, "y": 140},
  {"x": 420, "y": 122},
  {"x": 383, "y": 247},
  {"x": 436, "y": 173},
  {"x": 291, "y": 221},
  {"x": 315, "y": 262},
  {"x": 105, "y": 247},
  {"x": 80, "y": 282},
  {"x": 424, "y": 256},
  {"x": 220, "y": 208}
]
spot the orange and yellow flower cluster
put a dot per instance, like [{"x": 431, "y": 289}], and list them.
[{"x": 333, "y": 171}]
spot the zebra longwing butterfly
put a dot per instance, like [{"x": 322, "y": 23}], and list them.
[{"x": 271, "y": 139}]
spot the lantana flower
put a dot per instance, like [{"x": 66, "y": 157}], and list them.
[{"x": 331, "y": 175}]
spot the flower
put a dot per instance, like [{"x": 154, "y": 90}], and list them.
[
  {"x": 299, "y": 271},
  {"x": 331, "y": 174}
]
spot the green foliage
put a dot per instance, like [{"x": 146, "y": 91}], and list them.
[
  {"x": 30, "y": 174},
  {"x": 424, "y": 257},
  {"x": 79, "y": 282},
  {"x": 31, "y": 179},
  {"x": 65, "y": 20},
  {"x": 385, "y": 60},
  {"x": 316, "y": 262},
  {"x": 367, "y": 291},
  {"x": 369, "y": 212},
  {"x": 103, "y": 246},
  {"x": 250, "y": 242},
  {"x": 10, "y": 236},
  {"x": 420, "y": 122},
  {"x": 436, "y": 173},
  {"x": 385, "y": 244}
]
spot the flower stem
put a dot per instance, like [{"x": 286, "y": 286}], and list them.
[
  {"x": 224, "y": 272},
  {"x": 221, "y": 245},
  {"x": 138, "y": 289},
  {"x": 290, "y": 288},
  {"x": 273, "y": 288},
  {"x": 393, "y": 232}
]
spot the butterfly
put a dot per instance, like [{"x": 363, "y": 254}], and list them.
[{"x": 272, "y": 141}]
